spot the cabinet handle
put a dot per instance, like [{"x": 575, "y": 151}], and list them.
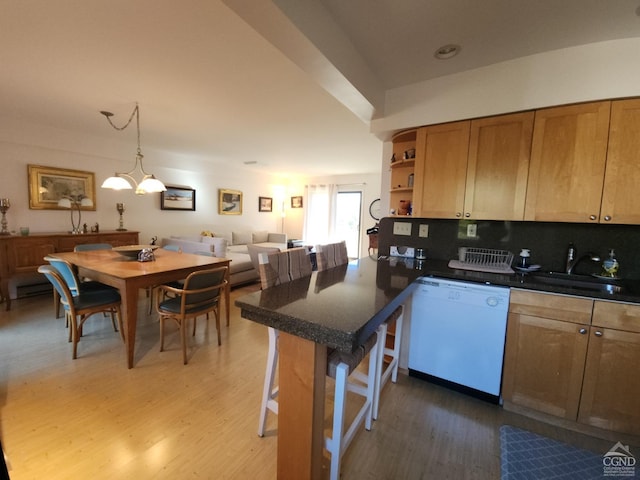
[
  {"x": 597, "y": 333},
  {"x": 582, "y": 331},
  {"x": 467, "y": 214},
  {"x": 592, "y": 217},
  {"x": 607, "y": 218},
  {"x": 458, "y": 214}
]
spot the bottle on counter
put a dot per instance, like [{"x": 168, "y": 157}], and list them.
[
  {"x": 525, "y": 258},
  {"x": 610, "y": 266}
]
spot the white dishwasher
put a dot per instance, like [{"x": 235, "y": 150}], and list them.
[{"x": 458, "y": 334}]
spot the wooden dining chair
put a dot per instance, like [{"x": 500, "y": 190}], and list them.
[
  {"x": 176, "y": 283},
  {"x": 290, "y": 265},
  {"x": 78, "y": 308},
  {"x": 68, "y": 273},
  {"x": 200, "y": 295},
  {"x": 331, "y": 255}
]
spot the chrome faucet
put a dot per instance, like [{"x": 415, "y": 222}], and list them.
[{"x": 573, "y": 260}]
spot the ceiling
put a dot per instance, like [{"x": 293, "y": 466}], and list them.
[{"x": 287, "y": 84}]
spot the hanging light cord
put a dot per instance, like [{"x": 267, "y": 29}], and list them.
[{"x": 136, "y": 112}]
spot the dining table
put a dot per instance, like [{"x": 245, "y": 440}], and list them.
[
  {"x": 129, "y": 275},
  {"x": 338, "y": 308}
]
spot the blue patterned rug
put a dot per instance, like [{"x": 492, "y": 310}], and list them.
[{"x": 528, "y": 456}]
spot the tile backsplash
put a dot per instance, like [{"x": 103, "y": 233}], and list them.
[{"x": 547, "y": 241}]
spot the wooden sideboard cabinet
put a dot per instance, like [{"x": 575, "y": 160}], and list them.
[{"x": 20, "y": 254}]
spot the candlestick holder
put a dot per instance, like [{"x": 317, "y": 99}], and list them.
[
  {"x": 4, "y": 206},
  {"x": 120, "y": 208}
]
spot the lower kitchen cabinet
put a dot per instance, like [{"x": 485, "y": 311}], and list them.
[
  {"x": 611, "y": 386},
  {"x": 574, "y": 358},
  {"x": 545, "y": 351}
]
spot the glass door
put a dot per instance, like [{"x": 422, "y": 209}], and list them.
[{"x": 348, "y": 214}]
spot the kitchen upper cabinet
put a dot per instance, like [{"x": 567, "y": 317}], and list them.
[
  {"x": 498, "y": 167},
  {"x": 441, "y": 172},
  {"x": 568, "y": 156},
  {"x": 611, "y": 384},
  {"x": 474, "y": 170},
  {"x": 545, "y": 352},
  {"x": 620, "y": 199}
]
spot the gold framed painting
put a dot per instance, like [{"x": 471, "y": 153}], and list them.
[
  {"x": 47, "y": 185},
  {"x": 229, "y": 202}
]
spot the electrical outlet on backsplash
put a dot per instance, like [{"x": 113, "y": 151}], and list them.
[{"x": 547, "y": 241}]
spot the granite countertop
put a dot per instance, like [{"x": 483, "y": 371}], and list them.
[
  {"x": 529, "y": 281},
  {"x": 340, "y": 307}
]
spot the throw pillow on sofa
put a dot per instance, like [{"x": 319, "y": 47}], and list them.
[
  {"x": 241, "y": 238},
  {"x": 260, "y": 237}
]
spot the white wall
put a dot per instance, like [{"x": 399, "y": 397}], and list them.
[
  {"x": 22, "y": 144},
  {"x": 589, "y": 72}
]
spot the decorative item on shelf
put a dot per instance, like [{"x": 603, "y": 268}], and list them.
[
  {"x": 409, "y": 154},
  {"x": 405, "y": 207},
  {"x": 120, "y": 209},
  {"x": 410, "y": 181},
  {"x": 4, "y": 206},
  {"x": 75, "y": 202},
  {"x": 393, "y": 158},
  {"x": 95, "y": 228},
  {"x": 148, "y": 183}
]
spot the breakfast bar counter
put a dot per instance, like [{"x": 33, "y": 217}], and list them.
[{"x": 337, "y": 308}]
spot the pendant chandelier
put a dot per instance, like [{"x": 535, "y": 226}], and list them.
[{"x": 121, "y": 181}]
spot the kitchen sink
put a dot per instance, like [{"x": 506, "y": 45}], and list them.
[{"x": 582, "y": 282}]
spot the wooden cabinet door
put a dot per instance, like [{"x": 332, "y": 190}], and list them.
[
  {"x": 620, "y": 199},
  {"x": 545, "y": 351},
  {"x": 568, "y": 157},
  {"x": 441, "y": 175},
  {"x": 611, "y": 383},
  {"x": 498, "y": 167},
  {"x": 544, "y": 363},
  {"x": 27, "y": 254}
]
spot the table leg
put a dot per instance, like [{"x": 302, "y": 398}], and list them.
[
  {"x": 303, "y": 366},
  {"x": 129, "y": 320}
]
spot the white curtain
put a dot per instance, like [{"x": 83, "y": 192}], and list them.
[{"x": 320, "y": 214}]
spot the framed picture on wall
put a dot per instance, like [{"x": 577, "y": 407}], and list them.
[
  {"x": 296, "y": 202},
  {"x": 178, "y": 198},
  {"x": 47, "y": 185},
  {"x": 229, "y": 202},
  {"x": 265, "y": 204}
]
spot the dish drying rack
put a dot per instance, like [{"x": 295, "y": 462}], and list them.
[{"x": 483, "y": 260}]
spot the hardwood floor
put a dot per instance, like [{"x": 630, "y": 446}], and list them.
[{"x": 92, "y": 418}]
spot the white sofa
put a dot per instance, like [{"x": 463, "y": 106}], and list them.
[{"x": 231, "y": 245}]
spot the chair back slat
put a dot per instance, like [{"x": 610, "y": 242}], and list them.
[
  {"x": 67, "y": 272},
  {"x": 281, "y": 267},
  {"x": 54, "y": 277},
  {"x": 204, "y": 287},
  {"x": 331, "y": 255}
]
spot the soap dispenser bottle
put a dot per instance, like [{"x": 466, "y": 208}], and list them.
[{"x": 610, "y": 265}]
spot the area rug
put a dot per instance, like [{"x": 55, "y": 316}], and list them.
[{"x": 528, "y": 456}]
